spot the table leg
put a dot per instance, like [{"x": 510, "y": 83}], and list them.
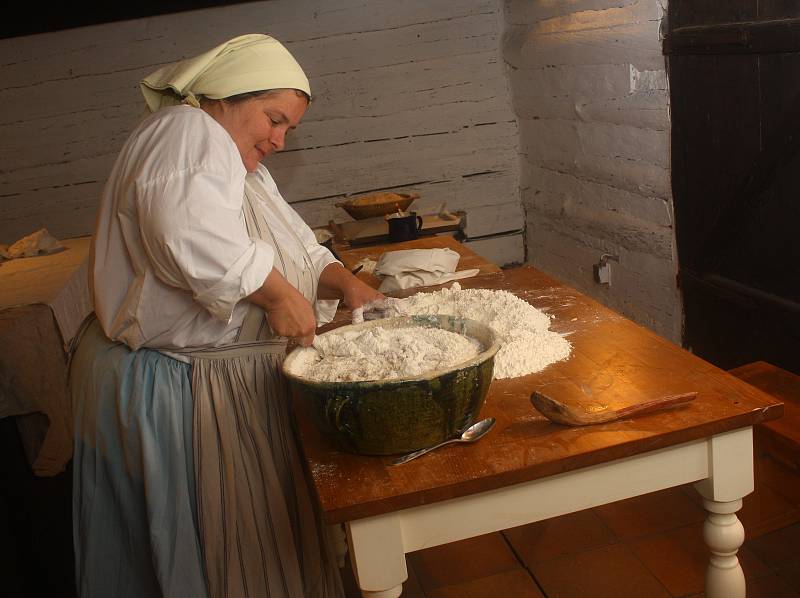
[
  {"x": 724, "y": 534},
  {"x": 731, "y": 466},
  {"x": 376, "y": 551},
  {"x": 338, "y": 539}
]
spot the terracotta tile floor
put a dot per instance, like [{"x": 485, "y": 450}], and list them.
[{"x": 648, "y": 546}]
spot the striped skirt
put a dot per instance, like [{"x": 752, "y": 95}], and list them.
[{"x": 187, "y": 478}]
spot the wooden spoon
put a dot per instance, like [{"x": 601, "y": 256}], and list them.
[{"x": 597, "y": 413}]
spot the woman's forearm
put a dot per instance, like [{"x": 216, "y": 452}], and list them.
[
  {"x": 288, "y": 312},
  {"x": 336, "y": 282},
  {"x": 332, "y": 281}
]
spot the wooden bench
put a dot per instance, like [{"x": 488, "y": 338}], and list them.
[{"x": 780, "y": 437}]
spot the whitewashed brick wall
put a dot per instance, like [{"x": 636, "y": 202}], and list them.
[{"x": 590, "y": 92}]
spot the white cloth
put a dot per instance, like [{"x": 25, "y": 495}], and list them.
[
  {"x": 408, "y": 268},
  {"x": 40, "y": 242},
  {"x": 172, "y": 259}
]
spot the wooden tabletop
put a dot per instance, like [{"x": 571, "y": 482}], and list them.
[
  {"x": 608, "y": 351},
  {"x": 30, "y": 280},
  {"x": 469, "y": 259}
]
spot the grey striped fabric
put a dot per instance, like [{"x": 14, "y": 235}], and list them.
[{"x": 260, "y": 530}]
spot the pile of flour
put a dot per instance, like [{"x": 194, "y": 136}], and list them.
[
  {"x": 383, "y": 353},
  {"x": 527, "y": 345}
]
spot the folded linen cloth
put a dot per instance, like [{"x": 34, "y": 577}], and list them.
[
  {"x": 408, "y": 268},
  {"x": 40, "y": 242}
]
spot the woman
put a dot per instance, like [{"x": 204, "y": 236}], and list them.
[{"x": 187, "y": 480}]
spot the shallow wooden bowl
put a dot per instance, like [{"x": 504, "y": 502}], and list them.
[
  {"x": 386, "y": 417},
  {"x": 377, "y": 204}
]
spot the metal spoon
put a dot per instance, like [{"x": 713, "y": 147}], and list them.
[{"x": 471, "y": 434}]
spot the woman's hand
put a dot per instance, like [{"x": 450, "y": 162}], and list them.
[
  {"x": 336, "y": 282},
  {"x": 288, "y": 312}
]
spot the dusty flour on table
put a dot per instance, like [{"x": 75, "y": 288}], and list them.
[
  {"x": 527, "y": 345},
  {"x": 383, "y": 353}
]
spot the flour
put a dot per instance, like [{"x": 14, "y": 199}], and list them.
[
  {"x": 527, "y": 345},
  {"x": 379, "y": 353}
]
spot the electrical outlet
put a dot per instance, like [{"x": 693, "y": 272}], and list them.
[
  {"x": 602, "y": 273},
  {"x": 602, "y": 269}
]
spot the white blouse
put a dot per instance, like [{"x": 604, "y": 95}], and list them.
[{"x": 172, "y": 258}]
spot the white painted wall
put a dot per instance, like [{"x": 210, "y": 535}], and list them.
[
  {"x": 409, "y": 96},
  {"x": 590, "y": 93}
]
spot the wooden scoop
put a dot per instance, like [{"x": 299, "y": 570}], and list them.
[{"x": 585, "y": 414}]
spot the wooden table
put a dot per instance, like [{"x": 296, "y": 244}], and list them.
[
  {"x": 528, "y": 469},
  {"x": 43, "y": 301}
]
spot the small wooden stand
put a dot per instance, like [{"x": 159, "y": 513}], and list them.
[{"x": 375, "y": 230}]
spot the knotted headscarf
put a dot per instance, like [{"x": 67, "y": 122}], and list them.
[{"x": 247, "y": 63}]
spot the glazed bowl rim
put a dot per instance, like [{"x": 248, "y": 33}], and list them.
[{"x": 488, "y": 353}]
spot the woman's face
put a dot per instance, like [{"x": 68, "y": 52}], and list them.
[{"x": 259, "y": 125}]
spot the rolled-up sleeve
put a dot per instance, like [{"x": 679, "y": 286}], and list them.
[
  {"x": 194, "y": 233},
  {"x": 321, "y": 257}
]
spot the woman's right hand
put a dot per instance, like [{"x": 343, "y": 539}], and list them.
[{"x": 288, "y": 312}]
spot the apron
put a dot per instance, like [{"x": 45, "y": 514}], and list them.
[{"x": 260, "y": 530}]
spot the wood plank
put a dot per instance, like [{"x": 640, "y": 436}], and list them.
[
  {"x": 332, "y": 124},
  {"x": 524, "y": 446},
  {"x": 503, "y": 250},
  {"x": 489, "y": 219},
  {"x": 462, "y": 193},
  {"x": 401, "y": 41},
  {"x": 383, "y": 164},
  {"x": 552, "y": 188},
  {"x": 600, "y": 45},
  {"x": 632, "y": 175},
  {"x": 522, "y": 12},
  {"x": 643, "y": 110},
  {"x": 597, "y": 139}
]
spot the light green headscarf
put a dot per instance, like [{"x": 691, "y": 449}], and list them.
[{"x": 247, "y": 63}]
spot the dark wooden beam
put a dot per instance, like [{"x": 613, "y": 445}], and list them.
[
  {"x": 741, "y": 294},
  {"x": 752, "y": 37}
]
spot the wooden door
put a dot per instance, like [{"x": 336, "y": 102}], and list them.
[{"x": 734, "y": 73}]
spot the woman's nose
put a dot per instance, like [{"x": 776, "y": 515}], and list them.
[{"x": 278, "y": 139}]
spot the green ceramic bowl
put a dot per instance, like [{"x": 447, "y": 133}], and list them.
[{"x": 403, "y": 414}]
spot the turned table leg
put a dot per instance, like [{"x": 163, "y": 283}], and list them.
[
  {"x": 731, "y": 465},
  {"x": 338, "y": 540},
  {"x": 724, "y": 534}
]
